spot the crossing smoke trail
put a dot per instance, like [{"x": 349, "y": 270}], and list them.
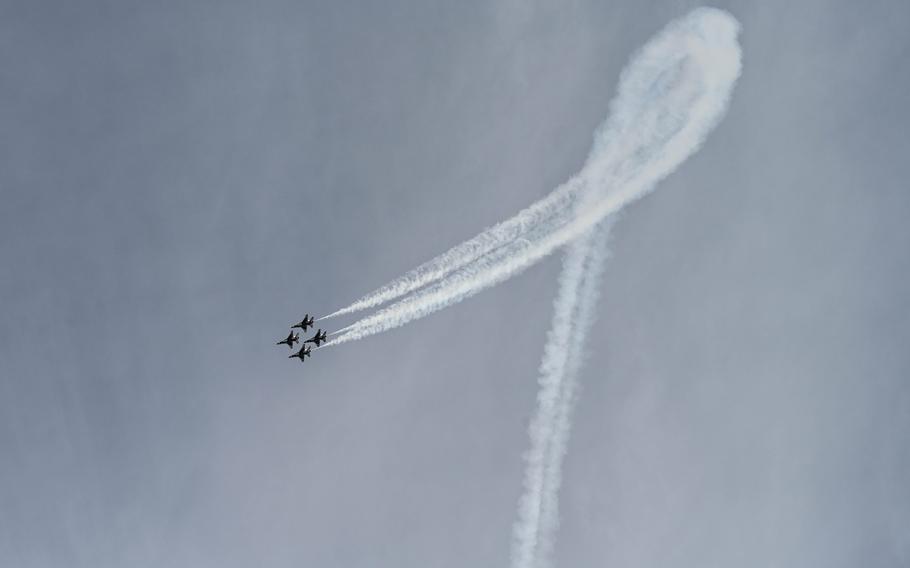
[{"x": 671, "y": 95}]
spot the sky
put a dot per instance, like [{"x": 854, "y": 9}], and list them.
[{"x": 181, "y": 181}]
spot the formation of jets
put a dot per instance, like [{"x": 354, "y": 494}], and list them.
[
  {"x": 302, "y": 354},
  {"x": 318, "y": 338},
  {"x": 308, "y": 321}
]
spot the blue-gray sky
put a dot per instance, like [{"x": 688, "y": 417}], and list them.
[{"x": 181, "y": 181}]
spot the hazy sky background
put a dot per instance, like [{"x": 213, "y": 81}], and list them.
[{"x": 181, "y": 181}]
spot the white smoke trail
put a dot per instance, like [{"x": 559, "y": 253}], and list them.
[
  {"x": 652, "y": 90},
  {"x": 466, "y": 252},
  {"x": 589, "y": 289},
  {"x": 698, "y": 59},
  {"x": 498, "y": 255},
  {"x": 672, "y": 94},
  {"x": 573, "y": 312}
]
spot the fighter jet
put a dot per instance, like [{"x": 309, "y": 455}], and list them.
[
  {"x": 308, "y": 321},
  {"x": 290, "y": 341},
  {"x": 302, "y": 354},
  {"x": 318, "y": 338}
]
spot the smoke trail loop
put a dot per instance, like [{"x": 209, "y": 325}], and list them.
[{"x": 671, "y": 96}]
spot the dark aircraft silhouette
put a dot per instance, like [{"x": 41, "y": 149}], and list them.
[
  {"x": 290, "y": 341},
  {"x": 302, "y": 354},
  {"x": 318, "y": 338},
  {"x": 308, "y": 321}
]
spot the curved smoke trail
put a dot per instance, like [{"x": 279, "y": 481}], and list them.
[
  {"x": 672, "y": 94},
  {"x": 649, "y": 77}
]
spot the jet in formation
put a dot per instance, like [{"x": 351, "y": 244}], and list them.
[
  {"x": 290, "y": 340},
  {"x": 308, "y": 321},
  {"x": 302, "y": 354},
  {"x": 318, "y": 338}
]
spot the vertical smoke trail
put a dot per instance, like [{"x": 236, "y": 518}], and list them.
[
  {"x": 572, "y": 311},
  {"x": 562, "y": 422},
  {"x": 671, "y": 96}
]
